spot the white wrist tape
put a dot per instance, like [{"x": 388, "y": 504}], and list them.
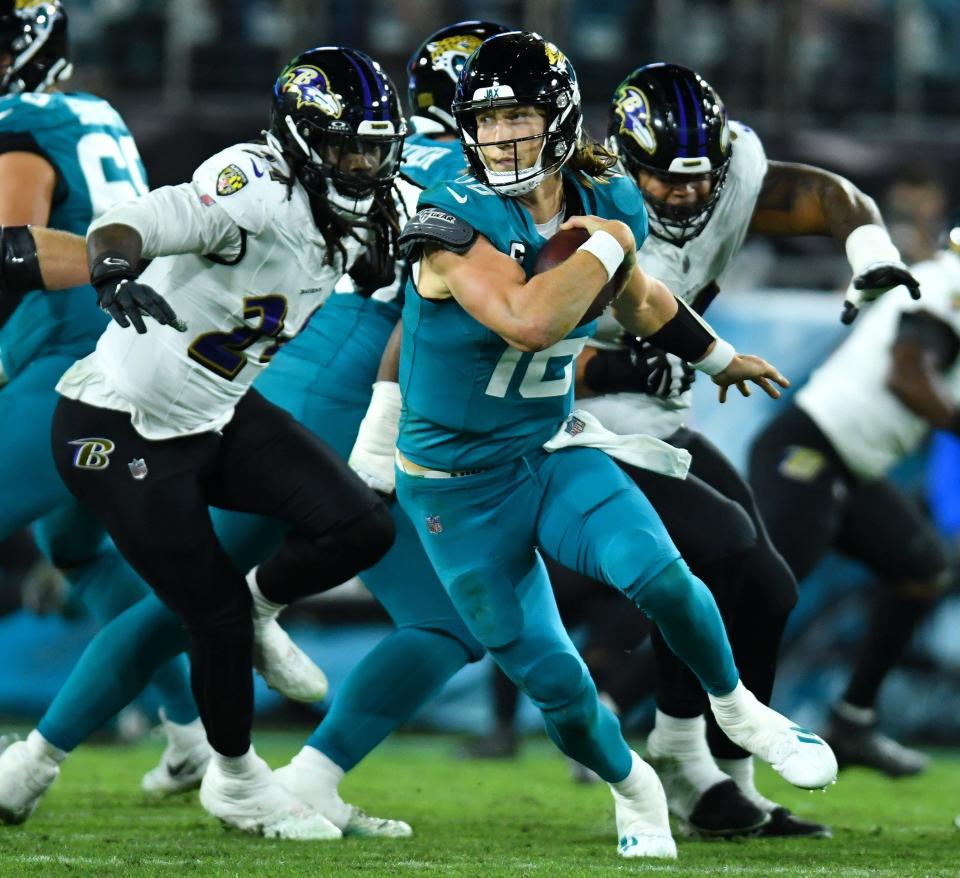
[
  {"x": 869, "y": 244},
  {"x": 720, "y": 356},
  {"x": 607, "y": 249},
  {"x": 375, "y": 446}
]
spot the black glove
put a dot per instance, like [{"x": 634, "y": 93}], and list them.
[
  {"x": 125, "y": 299},
  {"x": 873, "y": 282},
  {"x": 636, "y": 368}
]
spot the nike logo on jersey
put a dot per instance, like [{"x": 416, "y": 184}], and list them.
[
  {"x": 256, "y": 168},
  {"x": 461, "y": 198}
]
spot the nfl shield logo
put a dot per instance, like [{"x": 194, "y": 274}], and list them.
[
  {"x": 138, "y": 468},
  {"x": 574, "y": 426},
  {"x": 434, "y": 525}
]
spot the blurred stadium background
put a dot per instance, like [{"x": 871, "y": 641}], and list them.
[{"x": 869, "y": 88}]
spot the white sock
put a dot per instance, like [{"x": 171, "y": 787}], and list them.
[
  {"x": 741, "y": 770},
  {"x": 183, "y": 736},
  {"x": 325, "y": 776},
  {"x": 264, "y": 610},
  {"x": 43, "y": 749},
  {"x": 238, "y": 766},
  {"x": 734, "y": 705},
  {"x": 862, "y": 716},
  {"x": 684, "y": 739},
  {"x": 633, "y": 784}
]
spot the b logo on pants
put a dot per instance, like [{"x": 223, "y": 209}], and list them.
[{"x": 92, "y": 453}]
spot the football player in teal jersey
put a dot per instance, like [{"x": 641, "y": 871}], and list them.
[
  {"x": 323, "y": 377},
  {"x": 491, "y": 465},
  {"x": 64, "y": 158}
]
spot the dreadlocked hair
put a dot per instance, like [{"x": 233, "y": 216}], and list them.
[{"x": 376, "y": 263}]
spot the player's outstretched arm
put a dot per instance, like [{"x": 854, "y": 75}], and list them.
[
  {"x": 803, "y": 200},
  {"x": 647, "y": 309}
]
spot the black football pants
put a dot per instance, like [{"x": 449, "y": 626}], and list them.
[{"x": 153, "y": 498}]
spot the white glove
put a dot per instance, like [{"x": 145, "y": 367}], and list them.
[
  {"x": 372, "y": 457},
  {"x": 877, "y": 268}
]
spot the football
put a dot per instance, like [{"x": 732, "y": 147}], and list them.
[{"x": 560, "y": 248}]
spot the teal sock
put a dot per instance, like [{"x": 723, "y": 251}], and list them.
[
  {"x": 384, "y": 690},
  {"x": 107, "y": 586},
  {"x": 687, "y": 616},
  {"x": 114, "y": 668}
]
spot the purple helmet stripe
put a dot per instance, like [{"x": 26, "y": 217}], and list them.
[
  {"x": 701, "y": 126},
  {"x": 684, "y": 147},
  {"x": 367, "y": 97}
]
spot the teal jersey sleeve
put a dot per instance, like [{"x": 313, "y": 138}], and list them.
[
  {"x": 471, "y": 400},
  {"x": 97, "y": 164},
  {"x": 426, "y": 160}
]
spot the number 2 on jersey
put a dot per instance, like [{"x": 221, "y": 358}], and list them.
[{"x": 223, "y": 352}]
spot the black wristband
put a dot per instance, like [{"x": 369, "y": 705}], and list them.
[
  {"x": 19, "y": 261},
  {"x": 110, "y": 265},
  {"x": 685, "y": 335}
]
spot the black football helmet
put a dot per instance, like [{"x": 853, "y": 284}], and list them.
[
  {"x": 433, "y": 70},
  {"x": 667, "y": 120},
  {"x": 519, "y": 69},
  {"x": 337, "y": 119},
  {"x": 33, "y": 37}
]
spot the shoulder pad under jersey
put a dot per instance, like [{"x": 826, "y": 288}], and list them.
[
  {"x": 431, "y": 225},
  {"x": 749, "y": 159},
  {"x": 242, "y": 180}
]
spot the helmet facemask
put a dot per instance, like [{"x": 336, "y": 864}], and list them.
[
  {"x": 346, "y": 169},
  {"x": 562, "y": 129},
  {"x": 680, "y": 223}
]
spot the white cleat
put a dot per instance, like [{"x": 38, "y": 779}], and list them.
[
  {"x": 181, "y": 767},
  {"x": 643, "y": 825},
  {"x": 798, "y": 755},
  {"x": 284, "y": 667},
  {"x": 352, "y": 820},
  {"x": 255, "y": 802},
  {"x": 25, "y": 775}
]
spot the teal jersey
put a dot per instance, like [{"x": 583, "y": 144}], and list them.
[
  {"x": 471, "y": 400},
  {"x": 427, "y": 161},
  {"x": 97, "y": 164}
]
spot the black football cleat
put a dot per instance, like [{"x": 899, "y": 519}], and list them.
[
  {"x": 724, "y": 812},
  {"x": 785, "y": 824},
  {"x": 863, "y": 744}
]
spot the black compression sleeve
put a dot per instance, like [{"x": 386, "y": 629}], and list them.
[
  {"x": 685, "y": 335},
  {"x": 19, "y": 268}
]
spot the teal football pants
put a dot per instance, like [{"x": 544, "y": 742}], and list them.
[{"x": 481, "y": 531}]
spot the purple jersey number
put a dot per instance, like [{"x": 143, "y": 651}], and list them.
[{"x": 223, "y": 352}]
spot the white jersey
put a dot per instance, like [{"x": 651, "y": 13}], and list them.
[
  {"x": 693, "y": 272},
  {"x": 847, "y": 396},
  {"x": 253, "y": 273}
]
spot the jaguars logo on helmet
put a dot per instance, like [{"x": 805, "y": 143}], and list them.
[
  {"x": 450, "y": 54},
  {"x": 633, "y": 108},
  {"x": 434, "y": 68},
  {"x": 311, "y": 87}
]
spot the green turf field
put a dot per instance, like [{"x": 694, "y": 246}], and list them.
[{"x": 470, "y": 818}]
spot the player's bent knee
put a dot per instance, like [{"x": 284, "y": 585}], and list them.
[
  {"x": 368, "y": 537},
  {"x": 672, "y": 586},
  {"x": 489, "y": 606},
  {"x": 559, "y": 682}
]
